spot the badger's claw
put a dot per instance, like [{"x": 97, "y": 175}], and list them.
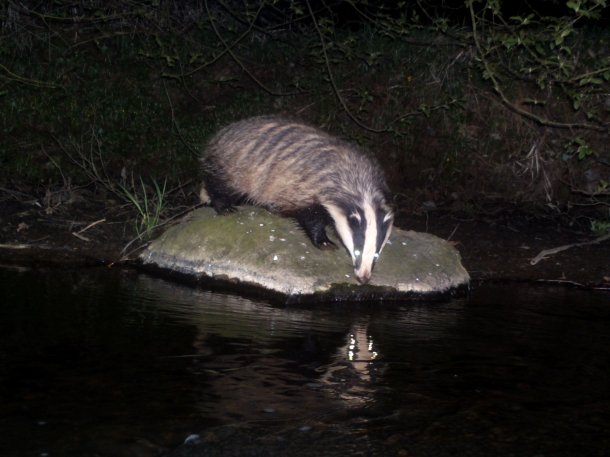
[{"x": 327, "y": 246}]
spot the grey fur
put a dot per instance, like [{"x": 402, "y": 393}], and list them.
[{"x": 293, "y": 169}]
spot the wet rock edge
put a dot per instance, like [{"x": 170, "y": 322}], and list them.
[{"x": 337, "y": 292}]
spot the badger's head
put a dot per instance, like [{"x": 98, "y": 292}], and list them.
[{"x": 364, "y": 230}]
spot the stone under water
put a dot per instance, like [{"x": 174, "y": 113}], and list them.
[{"x": 253, "y": 250}]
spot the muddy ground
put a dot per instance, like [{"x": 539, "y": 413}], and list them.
[{"x": 92, "y": 232}]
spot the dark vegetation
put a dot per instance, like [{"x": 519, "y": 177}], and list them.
[{"x": 472, "y": 108}]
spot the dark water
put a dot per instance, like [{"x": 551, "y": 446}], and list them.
[{"x": 116, "y": 363}]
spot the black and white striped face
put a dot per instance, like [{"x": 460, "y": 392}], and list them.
[{"x": 364, "y": 230}]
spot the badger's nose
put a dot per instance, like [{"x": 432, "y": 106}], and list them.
[{"x": 363, "y": 279}]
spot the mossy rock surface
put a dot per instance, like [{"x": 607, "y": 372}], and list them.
[{"x": 254, "y": 249}]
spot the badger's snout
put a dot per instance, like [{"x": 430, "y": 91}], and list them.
[{"x": 363, "y": 279}]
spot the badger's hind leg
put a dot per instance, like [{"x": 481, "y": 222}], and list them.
[{"x": 314, "y": 220}]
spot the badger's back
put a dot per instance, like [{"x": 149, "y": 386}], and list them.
[{"x": 285, "y": 165}]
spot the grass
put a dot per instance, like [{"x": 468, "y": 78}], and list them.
[
  {"x": 600, "y": 226},
  {"x": 149, "y": 211}
]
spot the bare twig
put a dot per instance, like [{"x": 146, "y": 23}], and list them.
[
  {"x": 332, "y": 79},
  {"x": 80, "y": 236},
  {"x": 29, "y": 82},
  {"x": 237, "y": 60},
  {"x": 15, "y": 246},
  {"x": 88, "y": 164},
  {"x": 171, "y": 107},
  {"x": 456, "y": 227},
  {"x": 548, "y": 252},
  {"x": 91, "y": 225}
]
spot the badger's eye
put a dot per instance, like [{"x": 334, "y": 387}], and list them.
[
  {"x": 376, "y": 255},
  {"x": 356, "y": 253}
]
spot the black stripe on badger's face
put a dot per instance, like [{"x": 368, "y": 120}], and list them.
[
  {"x": 385, "y": 220},
  {"x": 357, "y": 224},
  {"x": 364, "y": 231}
]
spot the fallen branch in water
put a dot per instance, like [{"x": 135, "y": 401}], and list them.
[
  {"x": 548, "y": 252},
  {"x": 563, "y": 281}
]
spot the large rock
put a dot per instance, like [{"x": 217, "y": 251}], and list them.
[{"x": 253, "y": 250}]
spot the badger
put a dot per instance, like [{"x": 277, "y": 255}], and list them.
[{"x": 298, "y": 171}]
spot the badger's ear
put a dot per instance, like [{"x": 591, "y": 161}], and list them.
[
  {"x": 355, "y": 216},
  {"x": 204, "y": 198}
]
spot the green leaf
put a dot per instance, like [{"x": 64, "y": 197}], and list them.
[
  {"x": 169, "y": 59},
  {"x": 585, "y": 151},
  {"x": 584, "y": 81},
  {"x": 425, "y": 109},
  {"x": 574, "y": 6},
  {"x": 510, "y": 42},
  {"x": 194, "y": 56},
  {"x": 607, "y": 75}
]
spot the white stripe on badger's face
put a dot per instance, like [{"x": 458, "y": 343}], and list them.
[
  {"x": 369, "y": 251},
  {"x": 387, "y": 217},
  {"x": 342, "y": 227}
]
